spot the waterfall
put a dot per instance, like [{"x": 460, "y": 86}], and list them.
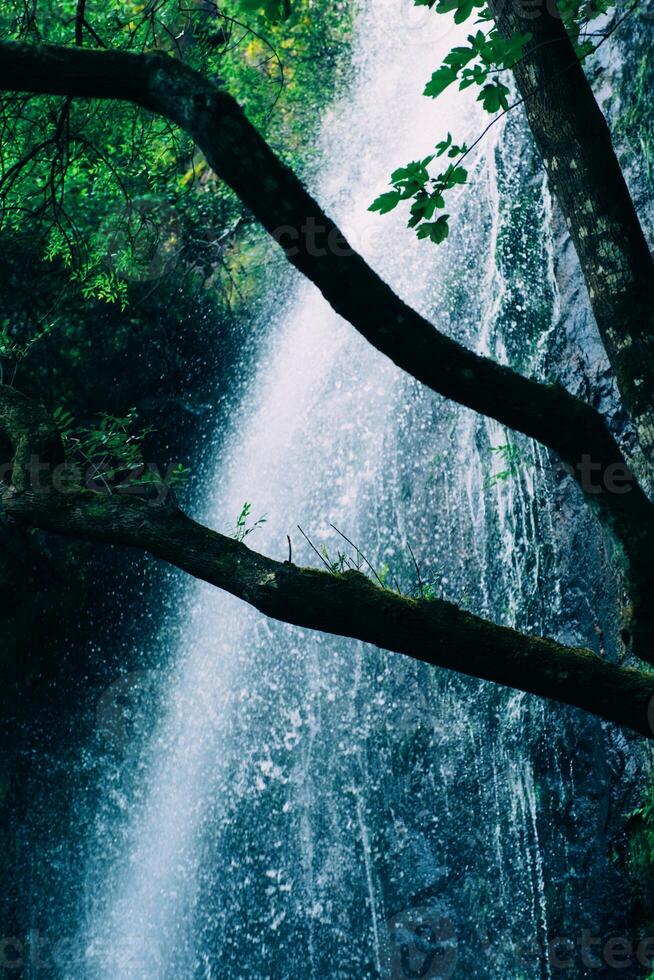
[{"x": 303, "y": 799}]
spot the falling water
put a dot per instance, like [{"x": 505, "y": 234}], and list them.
[{"x": 301, "y": 794}]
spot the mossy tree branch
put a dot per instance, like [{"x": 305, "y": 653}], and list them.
[{"x": 432, "y": 630}]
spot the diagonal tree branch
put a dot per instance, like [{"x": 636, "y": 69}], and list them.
[
  {"x": 241, "y": 157},
  {"x": 348, "y": 604}
]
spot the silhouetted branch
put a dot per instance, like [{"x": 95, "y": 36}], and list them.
[{"x": 346, "y": 604}]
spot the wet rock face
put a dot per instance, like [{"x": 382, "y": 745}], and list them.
[{"x": 574, "y": 780}]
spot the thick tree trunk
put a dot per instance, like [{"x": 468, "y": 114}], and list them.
[{"x": 585, "y": 176}]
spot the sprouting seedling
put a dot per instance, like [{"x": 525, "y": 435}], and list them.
[
  {"x": 351, "y": 563},
  {"x": 242, "y": 526},
  {"x": 342, "y": 563},
  {"x": 422, "y": 589},
  {"x": 361, "y": 557}
]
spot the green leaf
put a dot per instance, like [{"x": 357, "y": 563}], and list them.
[
  {"x": 415, "y": 172},
  {"x": 386, "y": 202},
  {"x": 444, "y": 145},
  {"x": 458, "y": 57},
  {"x": 453, "y": 175},
  {"x": 436, "y": 231},
  {"x": 439, "y": 81},
  {"x": 400, "y": 174},
  {"x": 494, "y": 97},
  {"x": 424, "y": 206},
  {"x": 473, "y": 76},
  {"x": 477, "y": 41},
  {"x": 462, "y": 8},
  {"x": 463, "y": 12}
]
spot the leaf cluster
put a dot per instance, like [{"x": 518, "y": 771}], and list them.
[
  {"x": 74, "y": 175},
  {"x": 110, "y": 452},
  {"x": 413, "y": 182},
  {"x": 479, "y": 62}
]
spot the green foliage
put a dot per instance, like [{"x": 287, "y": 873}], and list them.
[
  {"x": 437, "y": 231},
  {"x": 108, "y": 456},
  {"x": 439, "y": 81},
  {"x": 451, "y": 148},
  {"x": 493, "y": 97},
  {"x": 119, "y": 242},
  {"x": 479, "y": 62},
  {"x": 471, "y": 64},
  {"x": 413, "y": 182},
  {"x": 111, "y": 447},
  {"x": 8, "y": 346},
  {"x": 576, "y": 15},
  {"x": 272, "y": 10},
  {"x": 386, "y": 202},
  {"x": 105, "y": 286},
  {"x": 115, "y": 196},
  {"x": 340, "y": 564},
  {"x": 243, "y": 526},
  {"x": 644, "y": 817},
  {"x": 14, "y": 350},
  {"x": 427, "y": 591}
]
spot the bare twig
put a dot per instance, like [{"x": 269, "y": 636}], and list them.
[
  {"x": 312, "y": 545},
  {"x": 417, "y": 567},
  {"x": 360, "y": 553}
]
